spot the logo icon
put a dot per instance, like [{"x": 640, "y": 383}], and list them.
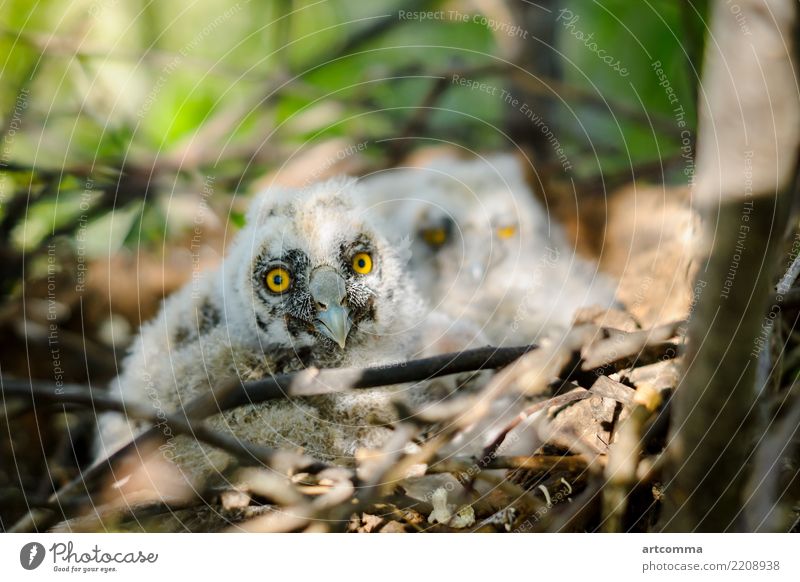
[{"x": 31, "y": 555}]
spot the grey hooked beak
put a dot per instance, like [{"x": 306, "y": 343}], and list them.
[{"x": 329, "y": 292}]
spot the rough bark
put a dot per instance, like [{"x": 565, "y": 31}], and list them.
[{"x": 747, "y": 152}]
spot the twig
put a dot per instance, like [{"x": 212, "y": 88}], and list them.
[
  {"x": 309, "y": 382},
  {"x": 569, "y": 463},
  {"x": 623, "y": 457},
  {"x": 788, "y": 279},
  {"x": 299, "y": 515},
  {"x": 233, "y": 394},
  {"x": 312, "y": 382},
  {"x": 377, "y": 479},
  {"x": 531, "y": 373},
  {"x": 490, "y": 450},
  {"x": 39, "y": 392},
  {"x": 622, "y": 349}
]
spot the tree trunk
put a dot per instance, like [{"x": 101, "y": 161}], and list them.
[{"x": 747, "y": 152}]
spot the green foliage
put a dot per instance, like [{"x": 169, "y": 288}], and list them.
[
  {"x": 638, "y": 35},
  {"x": 180, "y": 90}
]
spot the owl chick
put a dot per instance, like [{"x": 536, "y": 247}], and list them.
[
  {"x": 310, "y": 281},
  {"x": 484, "y": 249}
]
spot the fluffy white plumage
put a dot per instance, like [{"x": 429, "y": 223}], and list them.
[
  {"x": 483, "y": 248},
  {"x": 483, "y": 254},
  {"x": 231, "y": 323}
]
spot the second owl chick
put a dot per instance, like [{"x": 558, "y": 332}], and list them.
[{"x": 484, "y": 249}]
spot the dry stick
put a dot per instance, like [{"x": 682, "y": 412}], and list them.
[
  {"x": 71, "y": 394},
  {"x": 531, "y": 374},
  {"x": 490, "y": 450},
  {"x": 104, "y": 514},
  {"x": 377, "y": 472},
  {"x": 233, "y": 394},
  {"x": 299, "y": 514},
  {"x": 579, "y": 394},
  {"x": 649, "y": 469},
  {"x": 310, "y": 382},
  {"x": 621, "y": 349},
  {"x": 571, "y": 463},
  {"x": 538, "y": 368},
  {"x": 623, "y": 457},
  {"x": 250, "y": 452},
  {"x": 460, "y": 466},
  {"x": 534, "y": 371},
  {"x": 621, "y": 346}
]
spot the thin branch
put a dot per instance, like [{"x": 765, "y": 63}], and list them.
[
  {"x": 570, "y": 463},
  {"x": 490, "y": 450},
  {"x": 538, "y": 368},
  {"x": 624, "y": 455},
  {"x": 232, "y": 394}
]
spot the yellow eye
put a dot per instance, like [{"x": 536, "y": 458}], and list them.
[
  {"x": 505, "y": 232},
  {"x": 435, "y": 237},
  {"x": 362, "y": 263},
  {"x": 278, "y": 280}
]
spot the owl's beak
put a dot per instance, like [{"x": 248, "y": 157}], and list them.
[{"x": 329, "y": 292}]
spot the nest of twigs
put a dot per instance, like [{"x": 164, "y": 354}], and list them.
[{"x": 600, "y": 396}]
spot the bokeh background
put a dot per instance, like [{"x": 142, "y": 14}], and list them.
[{"x": 134, "y": 131}]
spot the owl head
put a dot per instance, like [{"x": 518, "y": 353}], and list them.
[
  {"x": 475, "y": 225},
  {"x": 484, "y": 249},
  {"x": 472, "y": 222},
  {"x": 311, "y": 269}
]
